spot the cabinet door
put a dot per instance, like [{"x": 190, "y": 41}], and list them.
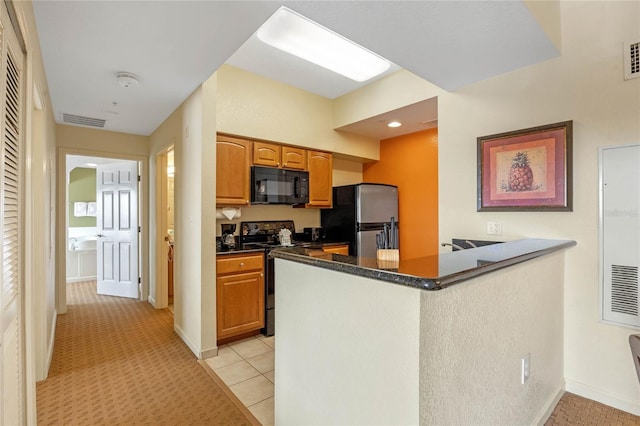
[
  {"x": 240, "y": 303},
  {"x": 294, "y": 158},
  {"x": 233, "y": 162},
  {"x": 320, "y": 165},
  {"x": 266, "y": 154},
  {"x": 337, "y": 249}
]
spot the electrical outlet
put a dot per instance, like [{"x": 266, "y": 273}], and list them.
[
  {"x": 494, "y": 228},
  {"x": 526, "y": 364}
]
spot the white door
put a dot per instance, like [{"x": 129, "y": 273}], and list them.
[{"x": 117, "y": 221}]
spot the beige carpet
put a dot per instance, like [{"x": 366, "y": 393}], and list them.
[
  {"x": 117, "y": 361},
  {"x": 575, "y": 410}
]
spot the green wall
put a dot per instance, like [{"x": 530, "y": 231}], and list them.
[{"x": 82, "y": 187}]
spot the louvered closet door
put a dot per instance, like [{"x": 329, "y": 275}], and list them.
[{"x": 11, "y": 325}]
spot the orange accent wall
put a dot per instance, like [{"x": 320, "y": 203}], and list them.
[{"x": 411, "y": 163}]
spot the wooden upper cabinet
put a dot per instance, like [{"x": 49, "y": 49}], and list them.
[
  {"x": 266, "y": 154},
  {"x": 233, "y": 170},
  {"x": 274, "y": 155},
  {"x": 320, "y": 165},
  {"x": 294, "y": 158}
]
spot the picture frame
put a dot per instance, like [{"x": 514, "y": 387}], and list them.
[{"x": 526, "y": 170}]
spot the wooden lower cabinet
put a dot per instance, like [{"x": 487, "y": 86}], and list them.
[
  {"x": 342, "y": 249},
  {"x": 239, "y": 294}
]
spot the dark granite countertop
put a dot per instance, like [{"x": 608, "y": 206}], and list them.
[
  {"x": 431, "y": 272},
  {"x": 251, "y": 248},
  {"x": 238, "y": 250}
]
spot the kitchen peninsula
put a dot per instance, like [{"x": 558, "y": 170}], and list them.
[{"x": 435, "y": 340}]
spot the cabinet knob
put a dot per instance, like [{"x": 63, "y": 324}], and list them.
[
  {"x": 261, "y": 275},
  {"x": 241, "y": 264},
  {"x": 284, "y": 165}
]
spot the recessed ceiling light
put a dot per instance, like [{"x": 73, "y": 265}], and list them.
[
  {"x": 295, "y": 34},
  {"x": 394, "y": 124}
]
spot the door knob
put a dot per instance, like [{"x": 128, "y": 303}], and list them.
[{"x": 99, "y": 235}]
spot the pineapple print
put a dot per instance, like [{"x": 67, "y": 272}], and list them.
[{"x": 520, "y": 174}]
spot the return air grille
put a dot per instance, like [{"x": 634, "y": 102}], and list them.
[
  {"x": 631, "y": 60},
  {"x": 624, "y": 289},
  {"x": 83, "y": 121}
]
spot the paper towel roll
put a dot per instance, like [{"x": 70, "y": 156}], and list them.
[{"x": 228, "y": 213}]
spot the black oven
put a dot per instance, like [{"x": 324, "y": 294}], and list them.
[{"x": 270, "y": 185}]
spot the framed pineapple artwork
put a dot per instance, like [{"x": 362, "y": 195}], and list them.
[{"x": 526, "y": 170}]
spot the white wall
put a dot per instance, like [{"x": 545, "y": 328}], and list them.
[
  {"x": 585, "y": 85},
  {"x": 254, "y": 106},
  {"x": 473, "y": 337},
  {"x": 347, "y": 349}
]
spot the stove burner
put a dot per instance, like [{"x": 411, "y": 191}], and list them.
[{"x": 264, "y": 231}]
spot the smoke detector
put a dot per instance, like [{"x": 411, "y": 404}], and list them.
[{"x": 127, "y": 79}]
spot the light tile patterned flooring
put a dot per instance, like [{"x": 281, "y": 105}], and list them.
[{"x": 247, "y": 368}]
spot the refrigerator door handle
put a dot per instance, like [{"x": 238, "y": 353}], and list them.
[{"x": 378, "y": 226}]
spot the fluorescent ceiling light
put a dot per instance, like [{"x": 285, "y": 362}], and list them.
[{"x": 289, "y": 31}]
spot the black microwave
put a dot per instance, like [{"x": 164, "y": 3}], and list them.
[{"x": 270, "y": 185}]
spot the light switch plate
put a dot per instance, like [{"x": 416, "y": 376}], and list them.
[
  {"x": 525, "y": 370},
  {"x": 494, "y": 228}
]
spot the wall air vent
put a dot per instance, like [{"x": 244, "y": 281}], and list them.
[
  {"x": 631, "y": 60},
  {"x": 624, "y": 289},
  {"x": 83, "y": 121}
]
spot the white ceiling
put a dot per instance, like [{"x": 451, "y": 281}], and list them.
[{"x": 173, "y": 46}]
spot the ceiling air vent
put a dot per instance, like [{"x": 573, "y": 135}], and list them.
[
  {"x": 631, "y": 60},
  {"x": 83, "y": 121}
]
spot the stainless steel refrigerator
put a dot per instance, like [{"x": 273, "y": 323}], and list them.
[{"x": 359, "y": 213}]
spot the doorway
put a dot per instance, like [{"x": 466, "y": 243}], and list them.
[
  {"x": 102, "y": 224},
  {"x": 165, "y": 229}
]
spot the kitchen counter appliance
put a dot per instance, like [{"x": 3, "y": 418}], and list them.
[
  {"x": 228, "y": 240},
  {"x": 266, "y": 234},
  {"x": 359, "y": 213}
]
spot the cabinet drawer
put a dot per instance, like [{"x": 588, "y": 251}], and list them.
[
  {"x": 343, "y": 249},
  {"x": 239, "y": 264}
]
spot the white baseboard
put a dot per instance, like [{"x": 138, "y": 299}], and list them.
[
  {"x": 209, "y": 353},
  {"x": 194, "y": 348},
  {"x": 548, "y": 408},
  {"x": 81, "y": 279},
  {"x": 50, "y": 344},
  {"x": 603, "y": 397}
]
